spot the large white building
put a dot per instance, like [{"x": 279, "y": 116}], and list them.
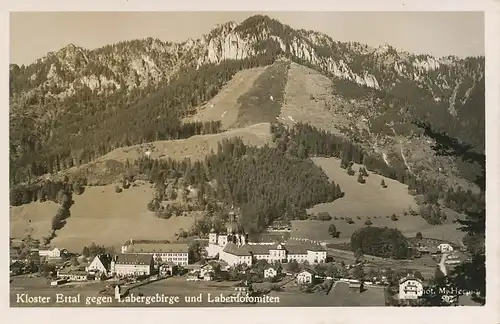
[
  {"x": 51, "y": 253},
  {"x": 234, "y": 249},
  {"x": 410, "y": 287},
  {"x": 162, "y": 251},
  {"x": 132, "y": 265}
]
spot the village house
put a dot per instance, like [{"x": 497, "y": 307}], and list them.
[
  {"x": 410, "y": 287},
  {"x": 162, "y": 251},
  {"x": 306, "y": 276},
  {"x": 311, "y": 253},
  {"x": 168, "y": 269},
  {"x": 132, "y": 264},
  {"x": 193, "y": 275},
  {"x": 72, "y": 275},
  {"x": 445, "y": 248},
  {"x": 51, "y": 253},
  {"x": 16, "y": 268},
  {"x": 270, "y": 272},
  {"x": 100, "y": 265},
  {"x": 243, "y": 289}
]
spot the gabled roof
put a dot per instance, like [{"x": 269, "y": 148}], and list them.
[
  {"x": 105, "y": 260},
  {"x": 157, "y": 248},
  {"x": 234, "y": 249},
  {"x": 311, "y": 271},
  {"x": 302, "y": 248},
  {"x": 140, "y": 259},
  {"x": 409, "y": 277}
]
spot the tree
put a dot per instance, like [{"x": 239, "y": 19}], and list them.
[
  {"x": 359, "y": 272},
  {"x": 332, "y": 230},
  {"x": 358, "y": 254},
  {"x": 361, "y": 179},
  {"x": 418, "y": 236},
  {"x": 470, "y": 275},
  {"x": 196, "y": 251},
  {"x": 382, "y": 183},
  {"x": 380, "y": 241},
  {"x": 293, "y": 266},
  {"x": 73, "y": 261}
]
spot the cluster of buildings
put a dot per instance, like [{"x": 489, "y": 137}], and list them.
[{"x": 235, "y": 248}]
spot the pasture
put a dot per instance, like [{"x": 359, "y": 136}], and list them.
[{"x": 368, "y": 201}]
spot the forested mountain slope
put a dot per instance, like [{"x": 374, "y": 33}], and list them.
[{"x": 75, "y": 105}]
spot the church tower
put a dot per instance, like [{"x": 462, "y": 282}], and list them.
[{"x": 212, "y": 236}]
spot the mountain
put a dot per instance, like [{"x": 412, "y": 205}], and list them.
[{"x": 74, "y": 105}]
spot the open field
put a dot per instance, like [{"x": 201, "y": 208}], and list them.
[
  {"x": 224, "y": 105},
  {"x": 108, "y": 218},
  {"x": 368, "y": 200},
  {"x": 33, "y": 219},
  {"x": 102, "y": 216},
  {"x": 342, "y": 295},
  {"x": 195, "y": 147}
]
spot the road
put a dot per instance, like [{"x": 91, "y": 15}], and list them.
[{"x": 442, "y": 265}]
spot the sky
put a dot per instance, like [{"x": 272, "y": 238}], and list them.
[{"x": 33, "y": 34}]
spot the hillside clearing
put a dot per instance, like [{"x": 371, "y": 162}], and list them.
[
  {"x": 262, "y": 102},
  {"x": 368, "y": 200},
  {"x": 34, "y": 219},
  {"x": 308, "y": 96},
  {"x": 224, "y": 105},
  {"x": 195, "y": 147},
  {"x": 99, "y": 215}
]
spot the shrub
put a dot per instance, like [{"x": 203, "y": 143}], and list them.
[
  {"x": 361, "y": 179},
  {"x": 394, "y": 217},
  {"x": 418, "y": 235},
  {"x": 324, "y": 216},
  {"x": 350, "y": 171},
  {"x": 118, "y": 189},
  {"x": 368, "y": 222}
]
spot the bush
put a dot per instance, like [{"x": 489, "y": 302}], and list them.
[
  {"x": 418, "y": 235},
  {"x": 361, "y": 179},
  {"x": 324, "y": 216},
  {"x": 349, "y": 220},
  {"x": 118, "y": 189},
  {"x": 394, "y": 217},
  {"x": 350, "y": 171},
  {"x": 368, "y": 222}
]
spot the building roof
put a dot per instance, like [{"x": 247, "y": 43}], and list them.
[
  {"x": 302, "y": 248},
  {"x": 234, "y": 249},
  {"x": 156, "y": 247},
  {"x": 128, "y": 258},
  {"x": 261, "y": 248},
  {"x": 132, "y": 242},
  {"x": 409, "y": 277},
  {"x": 105, "y": 260},
  {"x": 311, "y": 271}
]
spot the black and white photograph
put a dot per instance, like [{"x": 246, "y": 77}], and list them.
[{"x": 247, "y": 159}]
